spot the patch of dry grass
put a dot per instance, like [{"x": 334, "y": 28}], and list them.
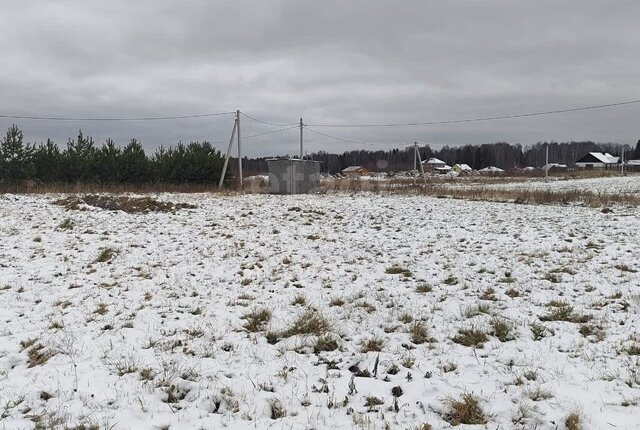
[
  {"x": 309, "y": 322},
  {"x": 466, "y": 410},
  {"x": 257, "y": 319},
  {"x": 132, "y": 205}
]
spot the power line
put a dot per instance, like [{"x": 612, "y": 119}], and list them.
[
  {"x": 358, "y": 142},
  {"x": 267, "y": 122},
  {"x": 490, "y": 118},
  {"x": 144, "y": 118},
  {"x": 256, "y": 135}
]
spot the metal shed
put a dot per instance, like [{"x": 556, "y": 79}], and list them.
[{"x": 293, "y": 176}]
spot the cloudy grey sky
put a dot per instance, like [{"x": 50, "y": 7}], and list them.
[{"x": 331, "y": 61}]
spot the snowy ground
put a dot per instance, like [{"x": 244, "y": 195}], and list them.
[
  {"x": 612, "y": 185},
  {"x": 135, "y": 321}
]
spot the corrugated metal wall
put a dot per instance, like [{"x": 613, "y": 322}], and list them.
[{"x": 290, "y": 176}]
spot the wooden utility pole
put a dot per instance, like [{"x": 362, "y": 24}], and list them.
[
  {"x": 415, "y": 155},
  {"x": 546, "y": 164},
  {"x": 301, "y": 148},
  {"x": 424, "y": 177},
  {"x": 226, "y": 159},
  {"x": 239, "y": 150}
]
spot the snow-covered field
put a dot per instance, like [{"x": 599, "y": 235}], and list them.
[
  {"x": 629, "y": 184},
  {"x": 135, "y": 321}
]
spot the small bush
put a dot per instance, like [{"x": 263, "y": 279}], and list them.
[
  {"x": 470, "y": 337},
  {"x": 466, "y": 410}
]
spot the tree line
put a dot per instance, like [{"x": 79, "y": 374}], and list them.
[
  {"x": 198, "y": 162},
  {"x": 500, "y": 154},
  {"x": 83, "y": 161}
]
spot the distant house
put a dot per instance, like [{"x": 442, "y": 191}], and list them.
[
  {"x": 354, "y": 171},
  {"x": 432, "y": 164},
  {"x": 461, "y": 168},
  {"x": 598, "y": 160},
  {"x": 632, "y": 165},
  {"x": 490, "y": 170}
]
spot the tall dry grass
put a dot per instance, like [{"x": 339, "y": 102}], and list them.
[
  {"x": 30, "y": 187},
  {"x": 436, "y": 188}
]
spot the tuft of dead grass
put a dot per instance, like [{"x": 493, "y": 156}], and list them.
[
  {"x": 470, "y": 337},
  {"x": 374, "y": 344},
  {"x": 565, "y": 313},
  {"x": 419, "y": 333},
  {"x": 573, "y": 421},
  {"x": 106, "y": 254},
  {"x": 257, "y": 319},
  {"x": 466, "y": 410},
  {"x": 38, "y": 354},
  {"x": 309, "y": 322}
]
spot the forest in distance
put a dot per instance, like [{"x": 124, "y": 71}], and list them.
[
  {"x": 84, "y": 161},
  {"x": 501, "y": 154}
]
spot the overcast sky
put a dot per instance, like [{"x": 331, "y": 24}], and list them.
[{"x": 330, "y": 61}]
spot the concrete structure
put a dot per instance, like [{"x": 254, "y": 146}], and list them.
[
  {"x": 293, "y": 176},
  {"x": 598, "y": 160},
  {"x": 352, "y": 171}
]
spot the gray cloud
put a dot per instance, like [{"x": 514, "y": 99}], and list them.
[{"x": 331, "y": 61}]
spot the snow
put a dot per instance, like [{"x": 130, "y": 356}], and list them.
[
  {"x": 173, "y": 298},
  {"x": 491, "y": 169},
  {"x": 609, "y": 185},
  {"x": 605, "y": 157}
]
